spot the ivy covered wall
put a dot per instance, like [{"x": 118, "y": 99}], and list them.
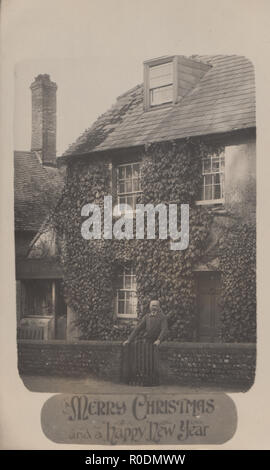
[
  {"x": 238, "y": 296},
  {"x": 170, "y": 173}
]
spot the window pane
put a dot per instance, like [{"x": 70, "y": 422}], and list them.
[
  {"x": 134, "y": 308},
  {"x": 127, "y": 282},
  {"x": 128, "y": 187},
  {"x": 215, "y": 165},
  {"x": 122, "y": 200},
  {"x": 121, "y": 172},
  {"x": 161, "y": 95},
  {"x": 160, "y": 75},
  {"x": 217, "y": 193},
  {"x": 131, "y": 306},
  {"x": 206, "y": 165},
  {"x": 136, "y": 185},
  {"x": 208, "y": 179},
  {"x": 129, "y": 296},
  {"x": 208, "y": 193},
  {"x": 121, "y": 307},
  {"x": 121, "y": 187},
  {"x": 119, "y": 282},
  {"x": 203, "y": 195},
  {"x": 121, "y": 294},
  {"x": 216, "y": 178},
  {"x": 129, "y": 309},
  {"x": 136, "y": 170},
  {"x": 128, "y": 171},
  {"x": 130, "y": 201}
]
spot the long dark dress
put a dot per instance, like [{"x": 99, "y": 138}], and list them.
[{"x": 141, "y": 356}]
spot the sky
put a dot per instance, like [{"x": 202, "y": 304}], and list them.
[
  {"x": 94, "y": 50},
  {"x": 82, "y": 94}
]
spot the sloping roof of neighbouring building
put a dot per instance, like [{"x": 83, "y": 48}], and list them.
[{"x": 36, "y": 190}]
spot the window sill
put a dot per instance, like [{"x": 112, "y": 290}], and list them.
[
  {"x": 128, "y": 215},
  {"x": 210, "y": 202},
  {"x": 38, "y": 315}
]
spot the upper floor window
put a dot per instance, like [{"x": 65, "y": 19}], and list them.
[
  {"x": 126, "y": 293},
  {"x": 212, "y": 179},
  {"x": 161, "y": 84},
  {"x": 168, "y": 79},
  {"x": 128, "y": 184}
]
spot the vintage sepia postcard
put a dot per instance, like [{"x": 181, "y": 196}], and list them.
[{"x": 134, "y": 305}]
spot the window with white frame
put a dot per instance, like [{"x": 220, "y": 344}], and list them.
[
  {"x": 126, "y": 293},
  {"x": 213, "y": 168},
  {"x": 161, "y": 84},
  {"x": 128, "y": 184}
]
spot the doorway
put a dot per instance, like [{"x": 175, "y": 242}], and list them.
[{"x": 208, "y": 307}]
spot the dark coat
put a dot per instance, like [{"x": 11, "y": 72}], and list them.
[{"x": 155, "y": 327}]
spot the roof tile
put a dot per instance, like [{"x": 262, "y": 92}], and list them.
[
  {"x": 36, "y": 190},
  {"x": 223, "y": 100}
]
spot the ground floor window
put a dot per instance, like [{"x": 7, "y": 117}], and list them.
[
  {"x": 38, "y": 298},
  {"x": 43, "y": 311},
  {"x": 126, "y": 293},
  {"x": 208, "y": 306}
]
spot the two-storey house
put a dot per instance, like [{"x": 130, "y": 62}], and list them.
[{"x": 186, "y": 135}]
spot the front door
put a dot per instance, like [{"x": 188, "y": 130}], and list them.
[{"x": 208, "y": 309}]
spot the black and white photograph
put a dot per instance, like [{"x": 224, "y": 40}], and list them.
[
  {"x": 101, "y": 297},
  {"x": 135, "y": 222}
]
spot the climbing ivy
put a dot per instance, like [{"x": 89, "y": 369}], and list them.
[
  {"x": 170, "y": 172},
  {"x": 238, "y": 298}
]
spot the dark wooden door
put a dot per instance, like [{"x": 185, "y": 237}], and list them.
[{"x": 208, "y": 296}]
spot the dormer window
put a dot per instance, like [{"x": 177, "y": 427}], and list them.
[
  {"x": 168, "y": 79},
  {"x": 161, "y": 84}
]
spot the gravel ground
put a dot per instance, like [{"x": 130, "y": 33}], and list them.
[{"x": 93, "y": 385}]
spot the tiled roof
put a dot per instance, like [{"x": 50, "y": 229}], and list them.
[
  {"x": 36, "y": 190},
  {"x": 222, "y": 101},
  {"x": 107, "y": 122}
]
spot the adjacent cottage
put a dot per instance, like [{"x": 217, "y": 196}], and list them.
[{"x": 38, "y": 184}]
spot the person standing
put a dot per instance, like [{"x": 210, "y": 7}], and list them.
[{"x": 141, "y": 355}]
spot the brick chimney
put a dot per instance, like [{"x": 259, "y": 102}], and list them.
[{"x": 44, "y": 119}]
